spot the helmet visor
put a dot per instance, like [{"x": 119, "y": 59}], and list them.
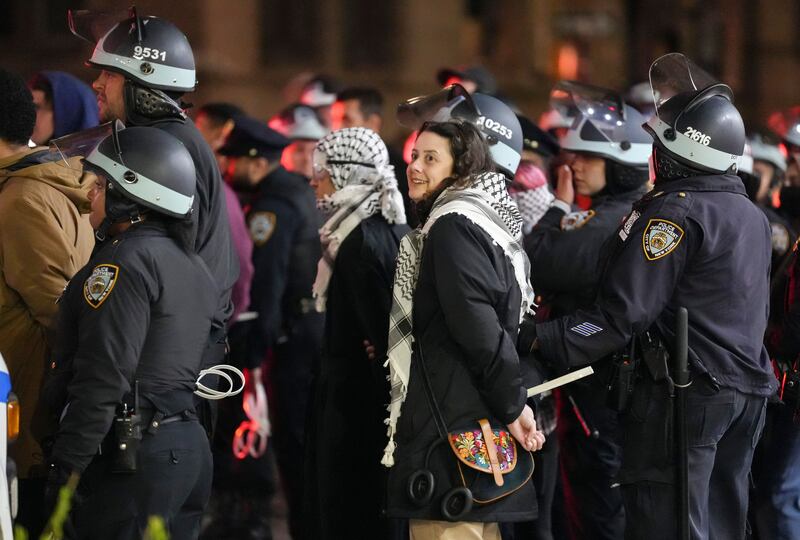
[
  {"x": 93, "y": 25},
  {"x": 438, "y": 107},
  {"x": 674, "y": 74},
  {"x": 605, "y": 108},
  {"x": 81, "y": 144}
]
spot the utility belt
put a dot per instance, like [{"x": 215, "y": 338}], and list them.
[
  {"x": 646, "y": 356},
  {"x": 132, "y": 421}
]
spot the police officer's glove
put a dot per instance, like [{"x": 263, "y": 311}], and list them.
[
  {"x": 526, "y": 337},
  {"x": 60, "y": 495}
]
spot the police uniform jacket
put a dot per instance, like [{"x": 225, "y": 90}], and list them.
[
  {"x": 564, "y": 250},
  {"x": 140, "y": 310},
  {"x": 699, "y": 243},
  {"x": 213, "y": 240},
  {"x": 466, "y": 318},
  {"x": 283, "y": 221}
]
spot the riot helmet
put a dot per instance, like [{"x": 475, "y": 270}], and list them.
[
  {"x": 147, "y": 169},
  {"x": 696, "y": 130},
  {"x": 151, "y": 53},
  {"x": 765, "y": 150},
  {"x": 605, "y": 126},
  {"x": 495, "y": 120}
]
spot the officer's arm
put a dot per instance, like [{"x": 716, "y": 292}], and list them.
[
  {"x": 112, "y": 332},
  {"x": 563, "y": 261},
  {"x": 468, "y": 288},
  {"x": 39, "y": 258},
  {"x": 271, "y": 257},
  {"x": 637, "y": 286}
]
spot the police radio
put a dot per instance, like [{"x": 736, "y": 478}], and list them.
[
  {"x": 621, "y": 383},
  {"x": 127, "y": 435}
]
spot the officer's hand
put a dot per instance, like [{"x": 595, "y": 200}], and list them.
[
  {"x": 60, "y": 496},
  {"x": 565, "y": 190},
  {"x": 369, "y": 348},
  {"x": 524, "y": 431}
]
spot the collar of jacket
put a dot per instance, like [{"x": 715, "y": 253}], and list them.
[
  {"x": 7, "y": 162},
  {"x": 722, "y": 182}
]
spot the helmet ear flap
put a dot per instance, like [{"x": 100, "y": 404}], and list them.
[{"x": 143, "y": 105}]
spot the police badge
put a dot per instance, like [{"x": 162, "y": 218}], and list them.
[
  {"x": 100, "y": 283},
  {"x": 660, "y": 238},
  {"x": 262, "y": 225}
]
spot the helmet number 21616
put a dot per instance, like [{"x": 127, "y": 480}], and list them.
[
  {"x": 140, "y": 52},
  {"x": 697, "y": 136}
]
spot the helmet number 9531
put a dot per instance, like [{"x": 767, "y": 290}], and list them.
[
  {"x": 698, "y": 136},
  {"x": 140, "y": 53}
]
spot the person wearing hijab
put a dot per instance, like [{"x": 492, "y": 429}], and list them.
[
  {"x": 64, "y": 105},
  {"x": 356, "y": 189}
]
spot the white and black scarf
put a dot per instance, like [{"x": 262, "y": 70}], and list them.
[
  {"x": 487, "y": 204},
  {"x": 358, "y": 163}
]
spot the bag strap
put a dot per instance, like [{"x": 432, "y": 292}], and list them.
[
  {"x": 491, "y": 451},
  {"x": 438, "y": 417}
]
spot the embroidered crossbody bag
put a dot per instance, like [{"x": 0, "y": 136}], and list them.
[{"x": 490, "y": 464}]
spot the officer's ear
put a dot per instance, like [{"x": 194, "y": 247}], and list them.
[{"x": 260, "y": 167}]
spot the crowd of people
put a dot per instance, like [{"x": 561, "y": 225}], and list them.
[{"x": 389, "y": 307}]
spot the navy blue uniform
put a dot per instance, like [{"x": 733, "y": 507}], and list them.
[
  {"x": 283, "y": 221},
  {"x": 565, "y": 252},
  {"x": 141, "y": 310},
  {"x": 698, "y": 243}
]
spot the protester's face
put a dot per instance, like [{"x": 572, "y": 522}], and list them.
[
  {"x": 43, "y": 130},
  {"x": 322, "y": 183},
  {"x": 97, "y": 197},
  {"x": 110, "y": 97},
  {"x": 589, "y": 174},
  {"x": 297, "y": 157},
  {"x": 431, "y": 164}
]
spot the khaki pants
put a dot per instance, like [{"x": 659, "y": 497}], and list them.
[{"x": 421, "y": 529}]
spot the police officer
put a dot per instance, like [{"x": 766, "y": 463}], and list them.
[
  {"x": 694, "y": 241},
  {"x": 610, "y": 151},
  {"x": 133, "y": 325},
  {"x": 281, "y": 213},
  {"x": 146, "y": 64}
]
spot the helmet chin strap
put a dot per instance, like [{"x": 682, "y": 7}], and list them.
[{"x": 102, "y": 230}]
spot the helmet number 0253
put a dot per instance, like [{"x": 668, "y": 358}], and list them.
[
  {"x": 140, "y": 53},
  {"x": 698, "y": 136}
]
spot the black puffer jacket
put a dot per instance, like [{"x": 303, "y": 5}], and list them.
[{"x": 466, "y": 317}]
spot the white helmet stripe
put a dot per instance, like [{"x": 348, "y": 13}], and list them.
[
  {"x": 693, "y": 151},
  {"x": 161, "y": 75},
  {"x": 144, "y": 188}
]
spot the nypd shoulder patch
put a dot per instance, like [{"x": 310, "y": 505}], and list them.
[
  {"x": 100, "y": 283},
  {"x": 262, "y": 225},
  {"x": 660, "y": 238}
]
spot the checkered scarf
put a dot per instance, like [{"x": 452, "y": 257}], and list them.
[
  {"x": 487, "y": 204},
  {"x": 358, "y": 163},
  {"x": 529, "y": 190}
]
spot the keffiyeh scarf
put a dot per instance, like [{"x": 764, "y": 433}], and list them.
[
  {"x": 487, "y": 204},
  {"x": 358, "y": 164}
]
